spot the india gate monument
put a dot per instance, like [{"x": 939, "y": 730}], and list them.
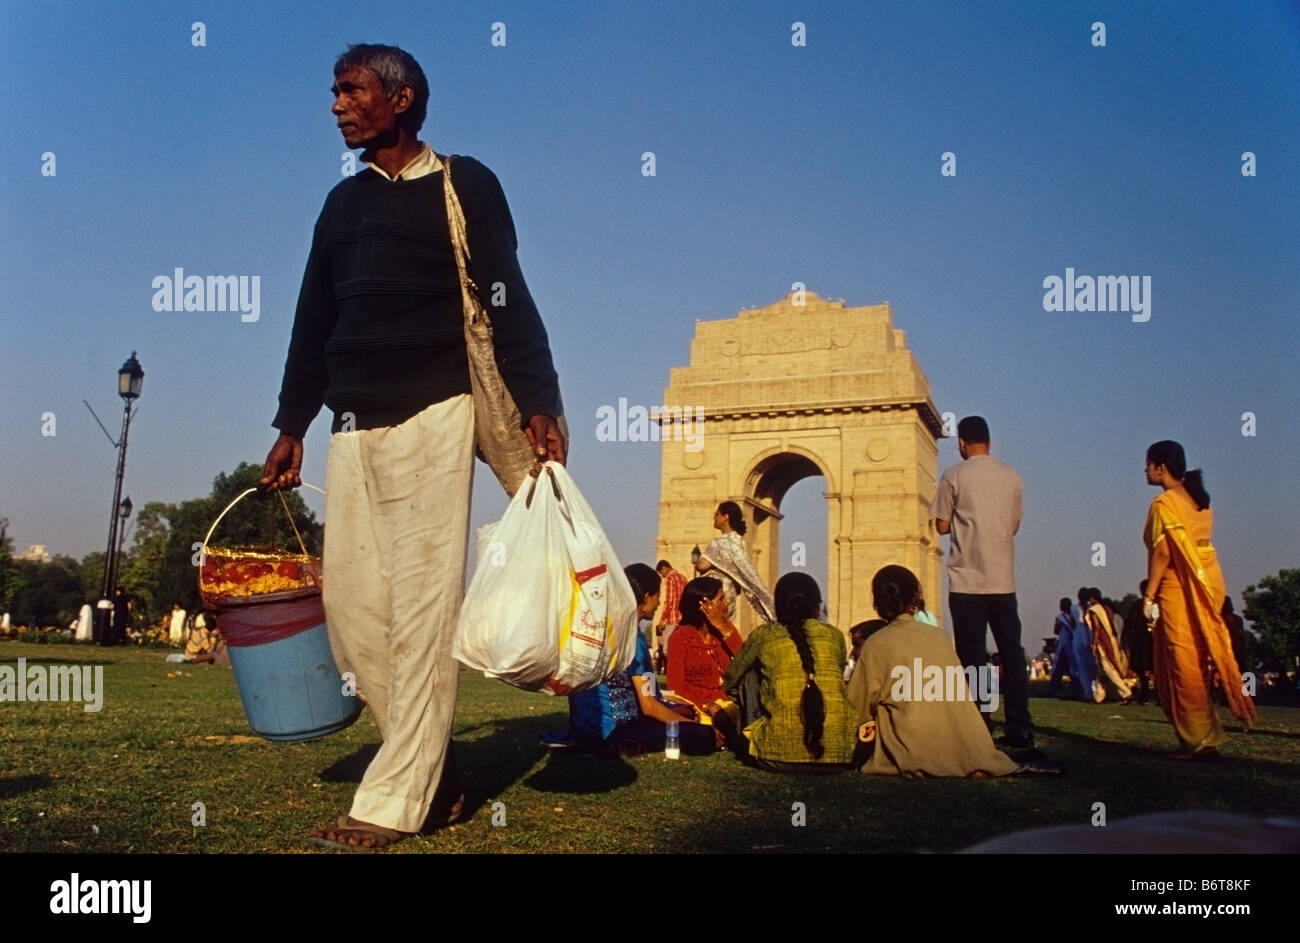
[{"x": 800, "y": 388}]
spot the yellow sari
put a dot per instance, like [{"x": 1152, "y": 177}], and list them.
[{"x": 1190, "y": 634}]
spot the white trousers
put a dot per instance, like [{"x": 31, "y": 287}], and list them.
[{"x": 396, "y": 528}]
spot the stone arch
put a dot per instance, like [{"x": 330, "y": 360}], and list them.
[
  {"x": 793, "y": 390},
  {"x": 798, "y": 457}
]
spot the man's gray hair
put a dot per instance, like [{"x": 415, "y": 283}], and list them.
[{"x": 395, "y": 68}]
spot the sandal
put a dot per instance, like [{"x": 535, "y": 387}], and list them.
[{"x": 348, "y": 834}]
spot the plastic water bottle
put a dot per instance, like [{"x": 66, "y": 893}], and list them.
[{"x": 672, "y": 742}]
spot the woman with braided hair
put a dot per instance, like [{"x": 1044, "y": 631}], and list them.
[
  {"x": 805, "y": 724},
  {"x": 911, "y": 736}
]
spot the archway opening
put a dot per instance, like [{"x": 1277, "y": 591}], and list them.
[
  {"x": 785, "y": 498},
  {"x": 803, "y": 531}
]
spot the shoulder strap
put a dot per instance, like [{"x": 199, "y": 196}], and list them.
[{"x": 460, "y": 244}]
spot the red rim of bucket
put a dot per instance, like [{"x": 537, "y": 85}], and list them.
[{"x": 259, "y": 620}]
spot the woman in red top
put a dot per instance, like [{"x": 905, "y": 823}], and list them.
[{"x": 702, "y": 647}]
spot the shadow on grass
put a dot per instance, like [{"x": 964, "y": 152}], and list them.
[
  {"x": 497, "y": 761},
  {"x": 350, "y": 768},
  {"x": 1263, "y": 732},
  {"x": 855, "y": 813},
  {"x": 21, "y": 784},
  {"x": 1260, "y": 731},
  {"x": 1119, "y": 762},
  {"x": 1236, "y": 728},
  {"x": 575, "y": 772},
  {"x": 493, "y": 756}
]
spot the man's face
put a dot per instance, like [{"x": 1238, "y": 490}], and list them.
[
  {"x": 366, "y": 116},
  {"x": 961, "y": 448}
]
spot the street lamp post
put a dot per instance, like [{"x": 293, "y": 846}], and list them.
[{"x": 129, "y": 380}]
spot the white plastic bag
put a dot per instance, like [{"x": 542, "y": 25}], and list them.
[{"x": 548, "y": 608}]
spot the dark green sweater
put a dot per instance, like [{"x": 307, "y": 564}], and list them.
[{"x": 379, "y": 329}]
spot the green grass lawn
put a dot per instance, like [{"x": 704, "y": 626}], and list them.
[{"x": 125, "y": 779}]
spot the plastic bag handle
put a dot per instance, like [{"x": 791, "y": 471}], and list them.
[
  {"x": 559, "y": 497},
  {"x": 555, "y": 487}
]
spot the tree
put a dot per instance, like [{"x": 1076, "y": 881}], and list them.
[
  {"x": 1274, "y": 607},
  {"x": 92, "y": 576},
  {"x": 141, "y": 570},
  {"x": 11, "y": 578},
  {"x": 52, "y": 593}
]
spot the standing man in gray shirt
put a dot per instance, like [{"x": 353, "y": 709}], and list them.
[{"x": 978, "y": 505}]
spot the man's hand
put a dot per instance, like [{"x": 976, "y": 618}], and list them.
[
  {"x": 545, "y": 437},
  {"x": 283, "y": 468}
]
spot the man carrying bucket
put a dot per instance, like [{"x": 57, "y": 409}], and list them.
[{"x": 378, "y": 337}]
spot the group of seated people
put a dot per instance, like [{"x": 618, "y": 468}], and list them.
[
  {"x": 782, "y": 699},
  {"x": 204, "y": 644}
]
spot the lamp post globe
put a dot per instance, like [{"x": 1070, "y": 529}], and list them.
[{"x": 130, "y": 379}]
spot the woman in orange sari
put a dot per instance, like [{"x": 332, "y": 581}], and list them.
[{"x": 1185, "y": 594}]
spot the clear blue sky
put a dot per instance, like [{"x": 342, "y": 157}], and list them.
[{"x": 775, "y": 164}]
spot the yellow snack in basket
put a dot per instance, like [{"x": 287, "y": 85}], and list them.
[{"x": 227, "y": 573}]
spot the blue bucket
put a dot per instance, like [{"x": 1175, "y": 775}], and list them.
[
  {"x": 280, "y": 653},
  {"x": 277, "y": 640}
]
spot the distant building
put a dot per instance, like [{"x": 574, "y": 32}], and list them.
[{"x": 36, "y": 553}]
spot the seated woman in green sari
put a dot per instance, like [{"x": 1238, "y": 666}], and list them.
[{"x": 802, "y": 722}]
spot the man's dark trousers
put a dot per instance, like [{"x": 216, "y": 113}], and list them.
[{"x": 972, "y": 615}]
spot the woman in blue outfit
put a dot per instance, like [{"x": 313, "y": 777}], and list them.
[{"x": 626, "y": 715}]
